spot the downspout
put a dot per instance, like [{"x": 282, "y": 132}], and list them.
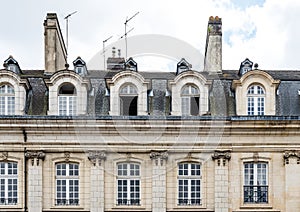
[{"x": 25, "y": 172}]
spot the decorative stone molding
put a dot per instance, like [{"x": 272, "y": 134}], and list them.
[
  {"x": 291, "y": 153},
  {"x": 67, "y": 156},
  {"x": 4, "y": 156},
  {"x": 35, "y": 155},
  {"x": 221, "y": 156},
  {"x": 159, "y": 156},
  {"x": 97, "y": 156}
]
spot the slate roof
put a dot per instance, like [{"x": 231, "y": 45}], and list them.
[{"x": 287, "y": 97}]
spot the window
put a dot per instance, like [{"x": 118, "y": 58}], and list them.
[
  {"x": 67, "y": 184},
  {"x": 256, "y": 100},
  {"x": 67, "y": 100},
  {"x": 190, "y": 100},
  {"x": 255, "y": 183},
  {"x": 7, "y": 100},
  {"x": 189, "y": 184},
  {"x": 8, "y": 183},
  {"x": 128, "y": 100},
  {"x": 128, "y": 183}
]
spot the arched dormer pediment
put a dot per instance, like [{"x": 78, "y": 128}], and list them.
[
  {"x": 80, "y": 84},
  {"x": 124, "y": 78},
  {"x": 191, "y": 74},
  {"x": 197, "y": 81},
  {"x": 255, "y": 78}
]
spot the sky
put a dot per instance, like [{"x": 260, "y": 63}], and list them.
[{"x": 265, "y": 31}]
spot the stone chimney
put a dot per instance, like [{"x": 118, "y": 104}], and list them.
[
  {"x": 55, "y": 49},
  {"x": 213, "y": 48}
]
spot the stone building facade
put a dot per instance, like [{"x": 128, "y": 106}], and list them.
[{"x": 122, "y": 140}]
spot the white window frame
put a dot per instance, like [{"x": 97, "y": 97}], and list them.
[
  {"x": 8, "y": 179},
  {"x": 7, "y": 100},
  {"x": 71, "y": 178},
  {"x": 67, "y": 103},
  {"x": 256, "y": 100},
  {"x": 189, "y": 173},
  {"x": 256, "y": 183},
  {"x": 130, "y": 194},
  {"x": 187, "y": 93},
  {"x": 128, "y": 90}
]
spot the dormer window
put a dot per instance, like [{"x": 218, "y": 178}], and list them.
[
  {"x": 256, "y": 100},
  {"x": 246, "y": 66},
  {"x": 79, "y": 70},
  {"x": 12, "y": 65},
  {"x": 11, "y": 68},
  {"x": 131, "y": 65},
  {"x": 128, "y": 100},
  {"x": 182, "y": 66},
  {"x": 67, "y": 100},
  {"x": 190, "y": 100},
  {"x": 80, "y": 67}
]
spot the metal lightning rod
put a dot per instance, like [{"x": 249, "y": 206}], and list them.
[
  {"x": 127, "y": 20},
  {"x": 104, "y": 51},
  {"x": 67, "y": 29}
]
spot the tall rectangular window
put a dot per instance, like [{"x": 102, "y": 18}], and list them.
[
  {"x": 67, "y": 184},
  {"x": 67, "y": 105},
  {"x": 7, "y": 100},
  {"x": 256, "y": 182},
  {"x": 8, "y": 183},
  {"x": 128, "y": 184},
  {"x": 256, "y": 100},
  {"x": 189, "y": 184}
]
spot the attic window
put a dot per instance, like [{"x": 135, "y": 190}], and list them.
[
  {"x": 12, "y": 68},
  {"x": 246, "y": 66},
  {"x": 182, "y": 66},
  {"x": 79, "y": 70}
]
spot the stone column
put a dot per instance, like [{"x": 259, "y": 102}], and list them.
[
  {"x": 35, "y": 180},
  {"x": 292, "y": 176},
  {"x": 221, "y": 159},
  {"x": 159, "y": 197},
  {"x": 97, "y": 159}
]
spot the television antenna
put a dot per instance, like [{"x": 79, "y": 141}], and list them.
[
  {"x": 67, "y": 28},
  {"x": 105, "y": 51},
  {"x": 125, "y": 34}
]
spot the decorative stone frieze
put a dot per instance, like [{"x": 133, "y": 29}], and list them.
[
  {"x": 35, "y": 155},
  {"x": 67, "y": 156},
  {"x": 289, "y": 154},
  {"x": 97, "y": 156}
]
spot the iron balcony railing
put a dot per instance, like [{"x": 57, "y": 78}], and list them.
[
  {"x": 255, "y": 194},
  {"x": 189, "y": 201},
  {"x": 67, "y": 202},
  {"x": 128, "y": 201},
  {"x": 8, "y": 201}
]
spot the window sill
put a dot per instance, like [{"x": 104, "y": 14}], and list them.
[
  {"x": 190, "y": 208},
  {"x": 256, "y": 206},
  {"x": 128, "y": 208}
]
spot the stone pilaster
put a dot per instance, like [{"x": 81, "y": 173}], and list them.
[
  {"x": 35, "y": 180},
  {"x": 97, "y": 158},
  {"x": 292, "y": 176},
  {"x": 221, "y": 159},
  {"x": 159, "y": 190}
]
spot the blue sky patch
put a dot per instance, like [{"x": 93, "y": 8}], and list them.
[{"x": 244, "y": 4}]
